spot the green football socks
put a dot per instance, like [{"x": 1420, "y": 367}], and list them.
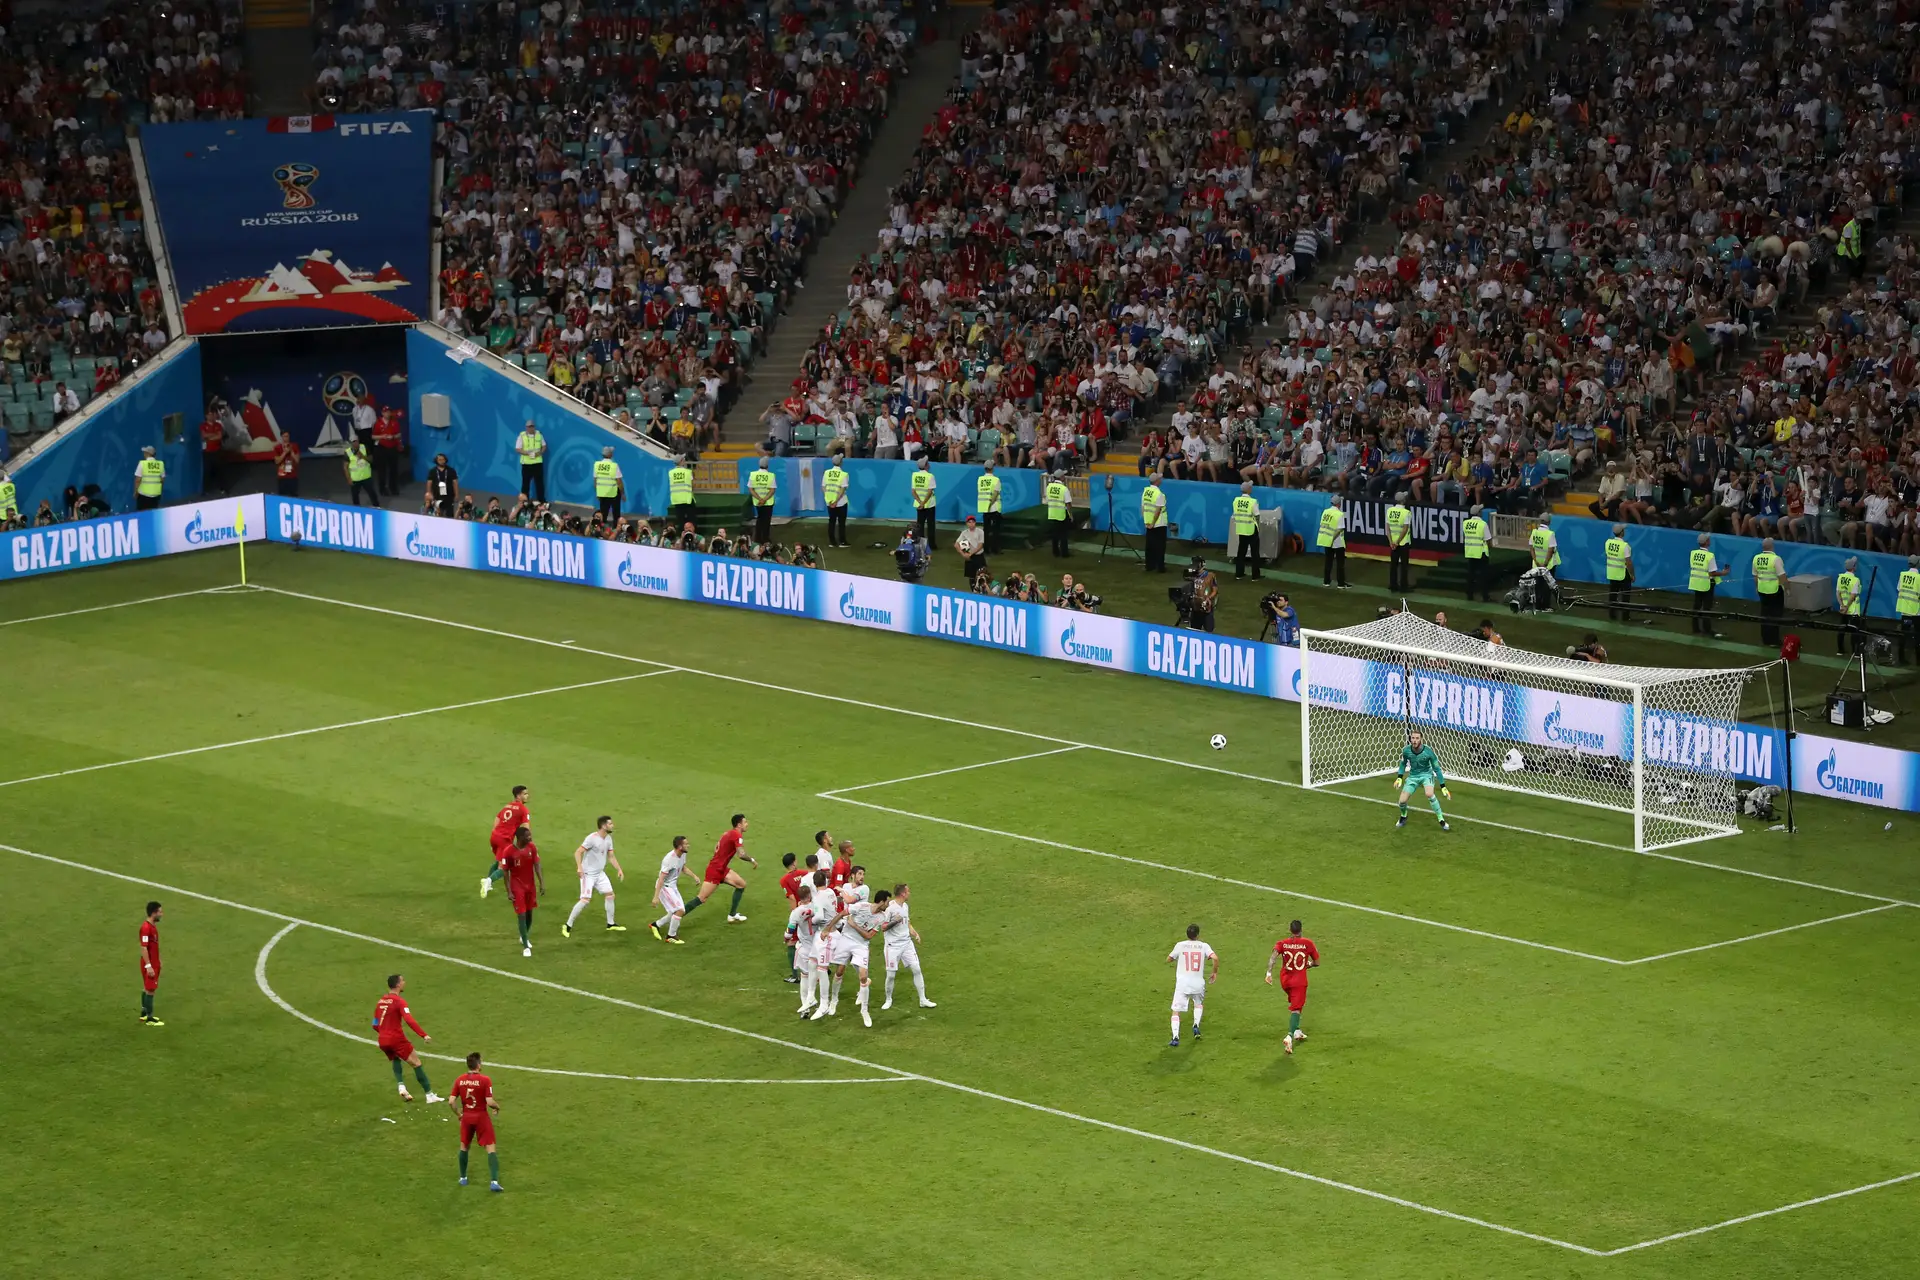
[
  {"x": 1403, "y": 808},
  {"x": 738, "y": 894},
  {"x": 146, "y": 1004},
  {"x": 1293, "y": 1023},
  {"x": 1435, "y": 802},
  {"x": 493, "y": 1165},
  {"x": 463, "y": 1162},
  {"x": 395, "y": 1064},
  {"x": 420, "y": 1074}
]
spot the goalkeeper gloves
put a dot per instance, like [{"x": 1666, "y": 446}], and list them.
[{"x": 1444, "y": 793}]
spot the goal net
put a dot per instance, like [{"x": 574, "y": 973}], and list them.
[{"x": 1659, "y": 744}]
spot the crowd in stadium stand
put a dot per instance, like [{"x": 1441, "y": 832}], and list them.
[
  {"x": 1113, "y": 197},
  {"x": 83, "y": 309},
  {"x": 630, "y": 197}
]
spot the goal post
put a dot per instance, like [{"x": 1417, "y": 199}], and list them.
[{"x": 1662, "y": 745}]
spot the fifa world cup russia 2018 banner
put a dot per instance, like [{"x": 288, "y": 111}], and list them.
[
  {"x": 294, "y": 222},
  {"x": 1845, "y": 770}
]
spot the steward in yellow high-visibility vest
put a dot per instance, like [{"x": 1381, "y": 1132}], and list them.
[
  {"x": 1333, "y": 546},
  {"x": 1769, "y": 579},
  {"x": 360, "y": 475},
  {"x": 1059, "y": 500},
  {"x": 926, "y": 500},
  {"x": 679, "y": 497},
  {"x": 609, "y": 486},
  {"x": 1702, "y": 572},
  {"x": 1476, "y": 539},
  {"x": 149, "y": 477},
  {"x": 1399, "y": 545},
  {"x": 1246, "y": 527},
  {"x": 1849, "y": 600},
  {"x": 1906, "y": 603},
  {"x": 1153, "y": 518},
  {"x": 9, "y": 499},
  {"x": 532, "y": 448},
  {"x": 987, "y": 499},
  {"x": 762, "y": 485},
  {"x": 833, "y": 491},
  {"x": 1619, "y": 573}
]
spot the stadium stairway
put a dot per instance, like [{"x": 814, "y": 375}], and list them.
[{"x": 855, "y": 232}]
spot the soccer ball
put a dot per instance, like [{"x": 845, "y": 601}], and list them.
[{"x": 1218, "y": 742}]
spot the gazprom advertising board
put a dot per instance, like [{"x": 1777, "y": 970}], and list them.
[
  {"x": 294, "y": 222},
  {"x": 1844, "y": 770}
]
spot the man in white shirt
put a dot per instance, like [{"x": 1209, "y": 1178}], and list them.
[
  {"x": 590, "y": 861},
  {"x": 1189, "y": 959},
  {"x": 852, "y": 941},
  {"x": 666, "y": 892},
  {"x": 899, "y": 945},
  {"x": 800, "y": 938},
  {"x": 826, "y": 913}
]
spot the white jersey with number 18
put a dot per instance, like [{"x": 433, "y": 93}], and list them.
[{"x": 1190, "y": 957}]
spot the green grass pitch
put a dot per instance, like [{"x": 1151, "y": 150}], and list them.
[{"x": 1530, "y": 1055}]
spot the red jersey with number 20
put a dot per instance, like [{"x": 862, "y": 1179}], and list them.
[
  {"x": 1296, "y": 955},
  {"x": 723, "y": 855},
  {"x": 472, "y": 1091}
]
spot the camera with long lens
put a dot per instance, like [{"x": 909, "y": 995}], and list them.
[{"x": 1534, "y": 593}]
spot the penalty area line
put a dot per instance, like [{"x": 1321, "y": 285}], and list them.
[
  {"x": 231, "y": 588},
  {"x": 266, "y": 988},
  {"x": 689, "y": 1020},
  {"x": 1770, "y": 933}
]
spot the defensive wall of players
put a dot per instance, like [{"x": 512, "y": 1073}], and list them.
[{"x": 1852, "y": 771}]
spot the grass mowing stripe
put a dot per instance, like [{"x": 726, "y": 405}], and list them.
[
  {"x": 688, "y": 1019},
  {"x": 1090, "y": 746},
  {"x": 330, "y": 728},
  {"x": 266, "y": 989}
]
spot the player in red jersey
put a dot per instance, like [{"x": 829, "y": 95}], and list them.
[
  {"x": 720, "y": 870},
  {"x": 525, "y": 882},
  {"x": 1295, "y": 955},
  {"x": 150, "y": 964},
  {"x": 842, "y": 865},
  {"x": 391, "y": 1018},
  {"x": 790, "y": 885},
  {"x": 505, "y": 823},
  {"x": 472, "y": 1100}
]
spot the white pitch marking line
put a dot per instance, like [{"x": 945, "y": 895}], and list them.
[
  {"x": 1207, "y": 875},
  {"x": 1770, "y": 933},
  {"x": 124, "y": 604},
  {"x": 818, "y": 1052},
  {"x": 330, "y": 728},
  {"x": 1764, "y": 1213},
  {"x": 260, "y": 979},
  {"x": 837, "y": 792},
  {"x": 1044, "y": 737}
]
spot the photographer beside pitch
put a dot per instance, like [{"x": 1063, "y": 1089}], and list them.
[{"x": 1196, "y": 596}]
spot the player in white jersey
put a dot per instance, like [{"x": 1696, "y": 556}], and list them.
[
  {"x": 666, "y": 892},
  {"x": 852, "y": 941},
  {"x": 591, "y": 861},
  {"x": 800, "y": 938},
  {"x": 826, "y": 914},
  {"x": 899, "y": 945},
  {"x": 1189, "y": 960}
]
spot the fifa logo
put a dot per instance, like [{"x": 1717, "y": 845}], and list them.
[{"x": 294, "y": 179}]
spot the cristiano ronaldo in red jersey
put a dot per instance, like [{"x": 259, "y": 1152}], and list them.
[
  {"x": 472, "y": 1100},
  {"x": 732, "y": 844},
  {"x": 1295, "y": 955},
  {"x": 509, "y": 820},
  {"x": 391, "y": 1019}
]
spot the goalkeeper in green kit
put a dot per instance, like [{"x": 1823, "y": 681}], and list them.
[{"x": 1420, "y": 767}]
